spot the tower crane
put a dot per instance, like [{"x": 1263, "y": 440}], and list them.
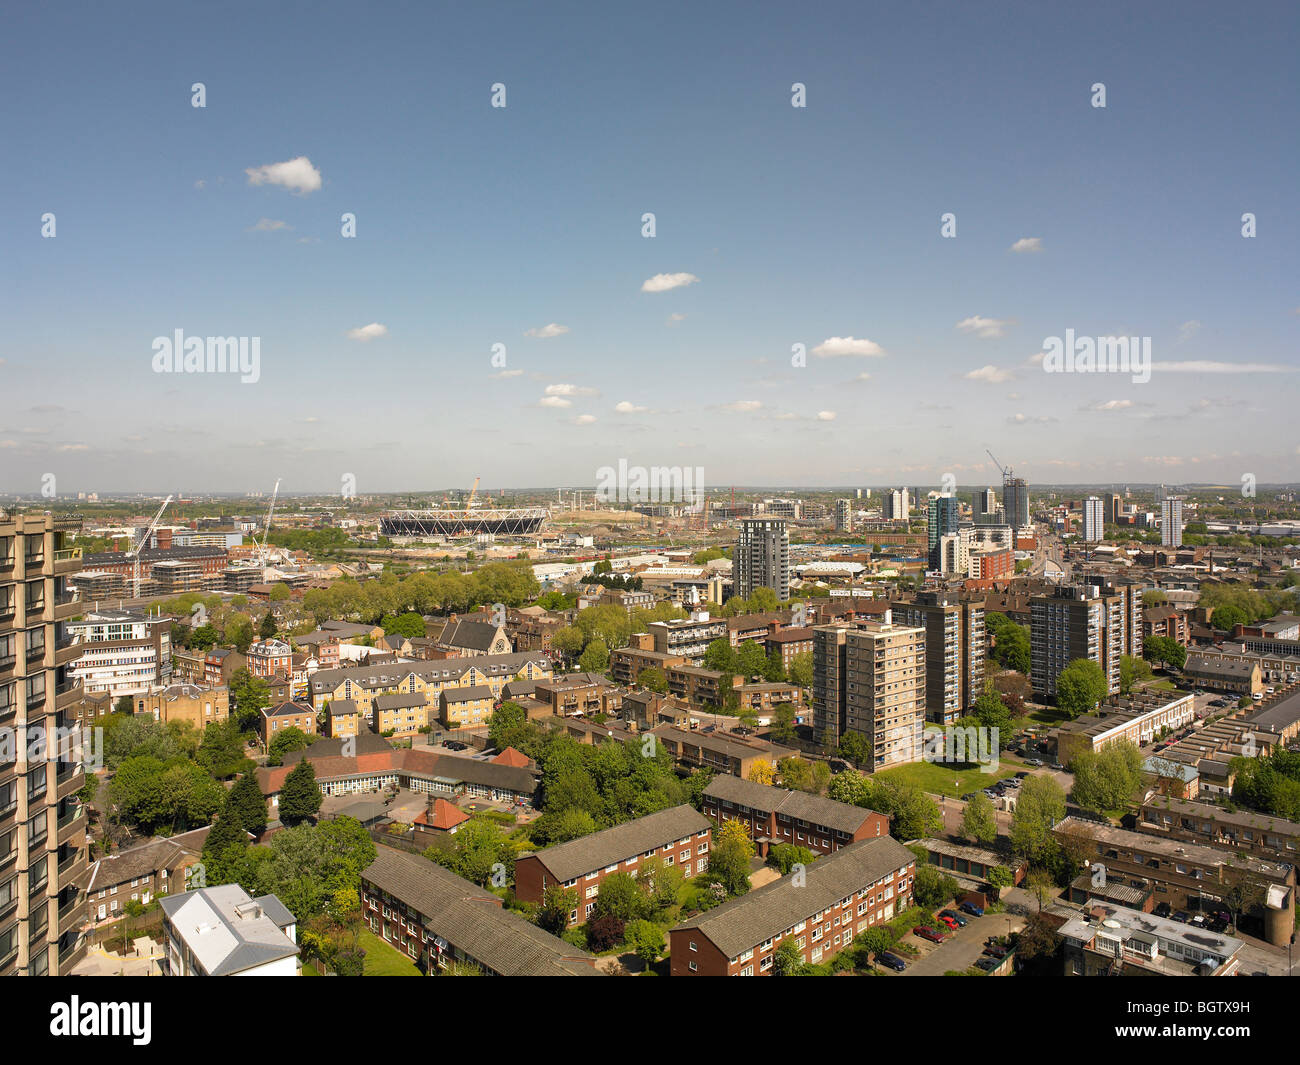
[
  {"x": 1006, "y": 472},
  {"x": 472, "y": 493},
  {"x": 134, "y": 553},
  {"x": 261, "y": 553}
]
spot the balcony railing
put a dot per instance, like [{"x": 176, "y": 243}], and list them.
[{"x": 69, "y": 554}]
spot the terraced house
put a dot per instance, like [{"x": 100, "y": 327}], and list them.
[
  {"x": 775, "y": 815},
  {"x": 841, "y": 896},
  {"x": 363, "y": 684},
  {"x": 438, "y": 919},
  {"x": 677, "y": 836}
]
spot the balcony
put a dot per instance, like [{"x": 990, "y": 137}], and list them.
[
  {"x": 67, "y": 560},
  {"x": 66, "y": 605},
  {"x": 66, "y": 693},
  {"x": 69, "y": 827},
  {"x": 7, "y": 662},
  {"x": 68, "y": 783}
]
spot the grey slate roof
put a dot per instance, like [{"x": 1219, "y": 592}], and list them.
[
  {"x": 466, "y": 695},
  {"x": 471, "y": 635},
  {"x": 812, "y": 809},
  {"x": 400, "y": 700},
  {"x": 388, "y": 674},
  {"x": 471, "y": 919},
  {"x": 580, "y": 856},
  {"x": 744, "y": 922}
]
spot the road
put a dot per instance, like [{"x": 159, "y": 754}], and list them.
[{"x": 959, "y": 951}]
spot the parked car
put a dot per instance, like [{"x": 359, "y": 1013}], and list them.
[
  {"x": 987, "y": 964},
  {"x": 891, "y": 961},
  {"x": 933, "y": 935},
  {"x": 1022, "y": 774},
  {"x": 1163, "y": 909},
  {"x": 947, "y": 921},
  {"x": 1033, "y": 761},
  {"x": 1180, "y": 916},
  {"x": 953, "y": 915},
  {"x": 968, "y": 796},
  {"x": 996, "y": 950},
  {"x": 971, "y": 908}
]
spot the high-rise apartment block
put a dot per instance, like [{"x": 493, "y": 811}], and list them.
[
  {"x": 955, "y": 645},
  {"x": 896, "y": 505},
  {"x": 869, "y": 678},
  {"x": 843, "y": 515},
  {"x": 943, "y": 515},
  {"x": 762, "y": 558},
  {"x": 1094, "y": 525},
  {"x": 43, "y": 855},
  {"x": 984, "y": 507},
  {"x": 1171, "y": 521},
  {"x": 1015, "y": 500},
  {"x": 1093, "y": 620}
]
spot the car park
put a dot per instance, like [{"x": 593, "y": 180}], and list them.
[
  {"x": 891, "y": 961},
  {"x": 953, "y": 915},
  {"x": 931, "y": 934},
  {"x": 971, "y": 908}
]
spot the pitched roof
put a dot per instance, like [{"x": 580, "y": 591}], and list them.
[
  {"x": 568, "y": 860},
  {"x": 810, "y": 808},
  {"x": 419, "y": 762},
  {"x": 145, "y": 859},
  {"x": 768, "y": 911},
  {"x": 389, "y": 674},
  {"x": 287, "y": 709},
  {"x": 228, "y": 932},
  {"x": 471, "y": 635},
  {"x": 467, "y": 695},
  {"x": 445, "y": 816},
  {"x": 471, "y": 919},
  {"x": 512, "y": 757}
]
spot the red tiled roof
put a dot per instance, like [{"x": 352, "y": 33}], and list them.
[
  {"x": 512, "y": 757},
  {"x": 445, "y": 816}
]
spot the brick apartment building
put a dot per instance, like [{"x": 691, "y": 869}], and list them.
[
  {"x": 843, "y": 894},
  {"x": 437, "y": 919},
  {"x": 1259, "y": 834},
  {"x": 788, "y": 643},
  {"x": 725, "y": 752},
  {"x": 185, "y": 702},
  {"x": 1189, "y": 876},
  {"x": 275, "y": 719},
  {"x": 677, "y": 836},
  {"x": 579, "y": 693},
  {"x": 775, "y": 815},
  {"x": 267, "y": 658},
  {"x": 1168, "y": 622}
]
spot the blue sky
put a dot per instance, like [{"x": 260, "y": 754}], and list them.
[{"x": 477, "y": 225}]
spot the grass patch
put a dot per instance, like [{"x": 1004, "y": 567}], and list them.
[
  {"x": 383, "y": 959},
  {"x": 940, "y": 779}
]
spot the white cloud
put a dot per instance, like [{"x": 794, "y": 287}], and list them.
[
  {"x": 628, "y": 408},
  {"x": 863, "y": 377},
  {"x": 74, "y": 447},
  {"x": 983, "y": 327},
  {"x": 584, "y": 419},
  {"x": 1188, "y": 330},
  {"x": 554, "y": 401},
  {"x": 266, "y": 225},
  {"x": 296, "y": 175},
  {"x": 990, "y": 374},
  {"x": 743, "y": 405},
  {"x": 552, "y": 330},
  {"x": 200, "y": 184},
  {"x": 1207, "y": 366},
  {"x": 570, "y": 390},
  {"x": 1114, "y": 404},
  {"x": 368, "y": 332},
  {"x": 1024, "y": 419},
  {"x": 825, "y": 415},
  {"x": 1036, "y": 360},
  {"x": 674, "y": 318},
  {"x": 841, "y": 347},
  {"x": 503, "y": 374},
  {"x": 1027, "y": 244},
  {"x": 665, "y": 282}
]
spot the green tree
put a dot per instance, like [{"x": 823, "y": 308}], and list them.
[
  {"x": 246, "y": 802},
  {"x": 595, "y": 657},
  {"x": 729, "y": 857},
  {"x": 268, "y": 627},
  {"x": 978, "y": 820},
  {"x": 933, "y": 888},
  {"x": 504, "y": 722},
  {"x": 300, "y": 795},
  {"x": 285, "y": 740},
  {"x": 1080, "y": 687},
  {"x": 801, "y": 669},
  {"x": 646, "y": 940},
  {"x": 786, "y": 959},
  {"x": 1040, "y": 806},
  {"x": 619, "y": 896},
  {"x": 720, "y": 655},
  {"x": 239, "y": 632},
  {"x": 557, "y": 903},
  {"x": 653, "y": 678}
]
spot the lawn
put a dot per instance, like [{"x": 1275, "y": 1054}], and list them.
[
  {"x": 383, "y": 959},
  {"x": 940, "y": 779}
]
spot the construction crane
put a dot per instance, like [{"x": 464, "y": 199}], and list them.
[
  {"x": 472, "y": 493},
  {"x": 1006, "y": 473},
  {"x": 261, "y": 552},
  {"x": 138, "y": 546}
]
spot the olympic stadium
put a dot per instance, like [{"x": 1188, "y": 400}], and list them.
[{"x": 425, "y": 524}]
